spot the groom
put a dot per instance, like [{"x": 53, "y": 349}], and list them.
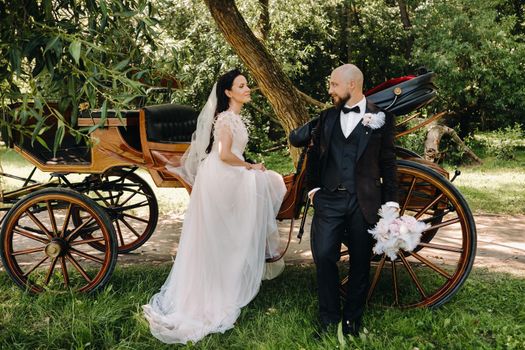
[{"x": 351, "y": 170}]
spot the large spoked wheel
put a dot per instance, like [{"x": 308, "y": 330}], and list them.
[
  {"x": 405, "y": 153},
  {"x": 438, "y": 267},
  {"x": 42, "y": 249},
  {"x": 130, "y": 203}
]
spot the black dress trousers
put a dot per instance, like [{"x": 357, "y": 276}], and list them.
[{"x": 338, "y": 219}]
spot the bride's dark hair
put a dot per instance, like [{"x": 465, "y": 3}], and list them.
[{"x": 225, "y": 82}]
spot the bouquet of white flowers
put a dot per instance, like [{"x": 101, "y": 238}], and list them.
[{"x": 393, "y": 232}]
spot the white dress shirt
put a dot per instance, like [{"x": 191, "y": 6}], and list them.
[{"x": 350, "y": 120}]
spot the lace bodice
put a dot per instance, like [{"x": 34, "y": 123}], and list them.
[{"x": 229, "y": 122}]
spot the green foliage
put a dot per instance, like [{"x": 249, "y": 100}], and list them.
[
  {"x": 483, "y": 315},
  {"x": 57, "y": 55},
  {"x": 479, "y": 62},
  {"x": 505, "y": 142},
  {"x": 415, "y": 141},
  {"x": 299, "y": 35},
  {"x": 451, "y": 153}
]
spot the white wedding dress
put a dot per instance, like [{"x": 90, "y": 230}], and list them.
[{"x": 228, "y": 231}]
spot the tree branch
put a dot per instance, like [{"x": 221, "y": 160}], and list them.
[
  {"x": 434, "y": 135},
  {"x": 310, "y": 100},
  {"x": 268, "y": 74}
]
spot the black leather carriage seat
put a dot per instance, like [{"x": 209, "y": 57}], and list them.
[
  {"x": 130, "y": 133},
  {"x": 170, "y": 123},
  {"x": 70, "y": 150}
]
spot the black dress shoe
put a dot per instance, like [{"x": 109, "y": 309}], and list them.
[{"x": 351, "y": 327}]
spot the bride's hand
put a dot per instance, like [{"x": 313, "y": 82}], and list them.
[{"x": 258, "y": 166}]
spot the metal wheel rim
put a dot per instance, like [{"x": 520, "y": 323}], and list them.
[
  {"x": 16, "y": 271},
  {"x": 465, "y": 259}
]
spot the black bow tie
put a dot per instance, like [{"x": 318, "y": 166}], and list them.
[{"x": 347, "y": 110}]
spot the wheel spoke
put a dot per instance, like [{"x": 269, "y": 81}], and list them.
[
  {"x": 77, "y": 230},
  {"x": 30, "y": 235},
  {"x": 418, "y": 215},
  {"x": 50, "y": 271},
  {"x": 87, "y": 241},
  {"x": 131, "y": 196},
  {"x": 395, "y": 287},
  {"x": 52, "y": 218},
  {"x": 28, "y": 251},
  {"x": 443, "y": 224},
  {"x": 35, "y": 266},
  {"x": 102, "y": 198},
  {"x": 377, "y": 274},
  {"x": 86, "y": 255},
  {"x": 39, "y": 224},
  {"x": 110, "y": 193},
  {"x": 441, "y": 247},
  {"x": 66, "y": 220},
  {"x": 136, "y": 218},
  {"x": 134, "y": 206},
  {"x": 409, "y": 196},
  {"x": 413, "y": 275},
  {"x": 119, "y": 231},
  {"x": 64, "y": 271},
  {"x": 78, "y": 267},
  {"x": 131, "y": 228},
  {"x": 431, "y": 265}
]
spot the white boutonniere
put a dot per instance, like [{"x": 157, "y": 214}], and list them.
[{"x": 374, "y": 120}]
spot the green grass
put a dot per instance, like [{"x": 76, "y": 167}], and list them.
[
  {"x": 487, "y": 313},
  {"x": 496, "y": 186}
]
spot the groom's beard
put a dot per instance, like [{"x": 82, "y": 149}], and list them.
[{"x": 340, "y": 101}]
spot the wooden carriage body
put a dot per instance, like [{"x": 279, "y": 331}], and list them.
[{"x": 95, "y": 212}]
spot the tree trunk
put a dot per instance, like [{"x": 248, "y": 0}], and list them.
[
  {"x": 405, "y": 19},
  {"x": 288, "y": 105},
  {"x": 519, "y": 27},
  {"x": 404, "y": 14},
  {"x": 263, "y": 25},
  {"x": 434, "y": 135},
  {"x": 346, "y": 26}
]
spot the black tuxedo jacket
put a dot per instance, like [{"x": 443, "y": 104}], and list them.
[{"x": 375, "y": 171}]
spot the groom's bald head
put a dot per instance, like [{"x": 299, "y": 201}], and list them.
[
  {"x": 350, "y": 72},
  {"x": 346, "y": 83}
]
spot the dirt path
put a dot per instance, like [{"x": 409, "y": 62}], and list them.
[{"x": 500, "y": 244}]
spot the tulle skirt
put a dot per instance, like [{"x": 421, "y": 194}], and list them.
[{"x": 228, "y": 232}]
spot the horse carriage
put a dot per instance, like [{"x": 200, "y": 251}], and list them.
[{"x": 66, "y": 234}]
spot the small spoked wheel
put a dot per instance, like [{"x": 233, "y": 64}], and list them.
[
  {"x": 130, "y": 203},
  {"x": 42, "y": 250},
  {"x": 431, "y": 274}
]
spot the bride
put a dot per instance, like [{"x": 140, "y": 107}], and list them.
[{"x": 229, "y": 228}]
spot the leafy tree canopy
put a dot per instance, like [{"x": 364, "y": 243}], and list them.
[{"x": 107, "y": 52}]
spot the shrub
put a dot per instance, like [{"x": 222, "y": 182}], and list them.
[{"x": 504, "y": 142}]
